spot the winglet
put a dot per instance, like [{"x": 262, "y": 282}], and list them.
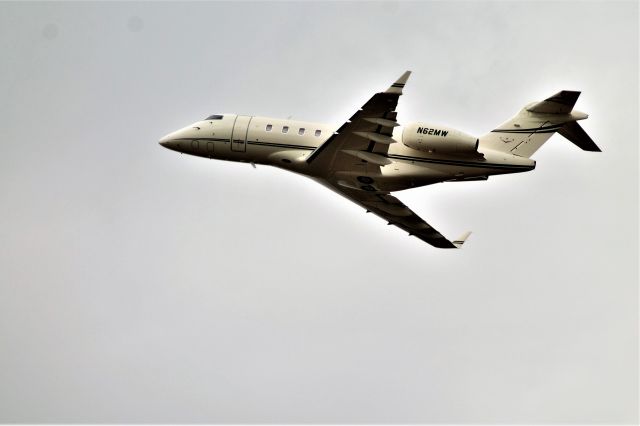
[
  {"x": 399, "y": 84},
  {"x": 458, "y": 242}
]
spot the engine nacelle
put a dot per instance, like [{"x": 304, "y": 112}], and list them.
[{"x": 438, "y": 139}]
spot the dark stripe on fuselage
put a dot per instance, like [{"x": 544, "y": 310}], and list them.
[
  {"x": 281, "y": 145},
  {"x": 203, "y": 139},
  {"x": 461, "y": 163},
  {"x": 275, "y": 145},
  {"x": 525, "y": 132},
  {"x": 547, "y": 129}
]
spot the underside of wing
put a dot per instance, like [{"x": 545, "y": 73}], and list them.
[
  {"x": 351, "y": 159},
  {"x": 396, "y": 213},
  {"x": 366, "y": 135}
]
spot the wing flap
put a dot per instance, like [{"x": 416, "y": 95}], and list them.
[
  {"x": 376, "y": 137},
  {"x": 381, "y": 122}
]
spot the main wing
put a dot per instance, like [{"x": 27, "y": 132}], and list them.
[
  {"x": 396, "y": 213},
  {"x": 359, "y": 147},
  {"x": 364, "y": 136}
]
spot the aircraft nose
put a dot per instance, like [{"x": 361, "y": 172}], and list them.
[
  {"x": 173, "y": 140},
  {"x": 169, "y": 141},
  {"x": 165, "y": 140}
]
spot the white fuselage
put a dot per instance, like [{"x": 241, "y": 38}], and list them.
[
  {"x": 370, "y": 155},
  {"x": 287, "y": 143}
]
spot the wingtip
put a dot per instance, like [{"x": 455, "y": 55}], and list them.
[
  {"x": 403, "y": 78},
  {"x": 458, "y": 242},
  {"x": 398, "y": 85}
]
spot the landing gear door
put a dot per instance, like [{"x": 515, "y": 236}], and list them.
[{"x": 239, "y": 133}]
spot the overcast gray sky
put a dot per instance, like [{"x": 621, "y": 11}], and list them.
[{"x": 139, "y": 285}]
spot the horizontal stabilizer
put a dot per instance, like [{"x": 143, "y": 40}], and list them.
[
  {"x": 560, "y": 103},
  {"x": 576, "y": 134}
]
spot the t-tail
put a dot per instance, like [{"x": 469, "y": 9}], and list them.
[{"x": 525, "y": 133}]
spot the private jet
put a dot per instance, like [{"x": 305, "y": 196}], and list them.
[{"x": 371, "y": 155}]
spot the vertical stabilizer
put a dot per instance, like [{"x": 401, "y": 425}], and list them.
[{"x": 525, "y": 133}]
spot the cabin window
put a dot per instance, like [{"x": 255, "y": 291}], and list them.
[
  {"x": 269, "y": 127},
  {"x": 285, "y": 129},
  {"x": 301, "y": 131},
  {"x": 214, "y": 117},
  {"x": 318, "y": 133}
]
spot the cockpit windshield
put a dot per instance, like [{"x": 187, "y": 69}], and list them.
[{"x": 214, "y": 117}]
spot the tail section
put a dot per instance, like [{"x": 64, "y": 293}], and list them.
[
  {"x": 576, "y": 134},
  {"x": 525, "y": 133}
]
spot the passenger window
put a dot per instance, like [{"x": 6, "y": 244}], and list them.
[
  {"x": 269, "y": 127},
  {"x": 301, "y": 131},
  {"x": 318, "y": 133},
  {"x": 285, "y": 129}
]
